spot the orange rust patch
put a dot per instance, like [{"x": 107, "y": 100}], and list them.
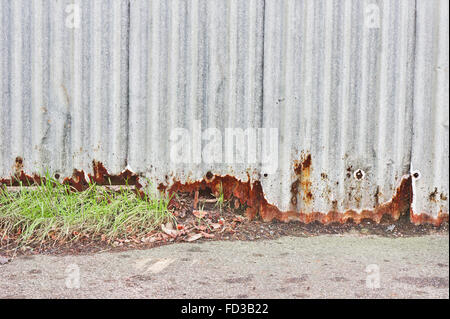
[
  {"x": 20, "y": 178},
  {"x": 423, "y": 218},
  {"x": 77, "y": 181},
  {"x": 247, "y": 193},
  {"x": 252, "y": 195},
  {"x": 101, "y": 176},
  {"x": 18, "y": 165},
  {"x": 294, "y": 192},
  {"x": 302, "y": 170}
]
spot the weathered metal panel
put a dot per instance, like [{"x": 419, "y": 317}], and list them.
[
  {"x": 430, "y": 152},
  {"x": 194, "y": 64},
  {"x": 340, "y": 89},
  {"x": 63, "y": 84},
  {"x": 357, "y": 89}
]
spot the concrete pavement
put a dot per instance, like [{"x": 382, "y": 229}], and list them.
[{"x": 337, "y": 266}]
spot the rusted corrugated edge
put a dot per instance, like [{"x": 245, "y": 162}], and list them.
[
  {"x": 249, "y": 193},
  {"x": 79, "y": 180},
  {"x": 430, "y": 130}
]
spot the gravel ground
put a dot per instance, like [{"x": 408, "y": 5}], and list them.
[{"x": 324, "y": 266}]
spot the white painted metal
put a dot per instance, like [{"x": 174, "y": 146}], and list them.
[
  {"x": 430, "y": 152},
  {"x": 64, "y": 86}
]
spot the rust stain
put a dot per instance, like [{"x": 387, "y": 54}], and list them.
[
  {"x": 423, "y": 218},
  {"x": 19, "y": 178},
  {"x": 433, "y": 195},
  {"x": 302, "y": 169},
  {"x": 249, "y": 195},
  {"x": 101, "y": 176},
  {"x": 77, "y": 181},
  {"x": 252, "y": 195},
  {"x": 294, "y": 192}
]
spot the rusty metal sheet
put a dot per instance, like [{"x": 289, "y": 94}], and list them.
[
  {"x": 63, "y": 84},
  {"x": 430, "y": 151},
  {"x": 340, "y": 90},
  {"x": 356, "y": 91}
]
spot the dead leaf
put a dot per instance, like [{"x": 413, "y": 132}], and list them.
[
  {"x": 199, "y": 213},
  {"x": 168, "y": 229},
  {"x": 194, "y": 237},
  {"x": 238, "y": 219},
  {"x": 196, "y": 199},
  {"x": 215, "y": 225},
  {"x": 206, "y": 235}
]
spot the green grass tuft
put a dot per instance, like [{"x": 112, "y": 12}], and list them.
[{"x": 52, "y": 212}]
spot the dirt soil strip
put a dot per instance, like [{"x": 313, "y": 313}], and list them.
[{"x": 326, "y": 266}]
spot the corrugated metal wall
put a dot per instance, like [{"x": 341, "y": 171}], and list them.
[
  {"x": 353, "y": 92},
  {"x": 192, "y": 61},
  {"x": 342, "y": 92},
  {"x": 64, "y": 89}
]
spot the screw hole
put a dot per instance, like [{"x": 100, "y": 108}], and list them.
[
  {"x": 416, "y": 174},
  {"x": 209, "y": 175},
  {"x": 359, "y": 174}
]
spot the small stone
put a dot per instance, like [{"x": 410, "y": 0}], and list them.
[
  {"x": 390, "y": 227},
  {"x": 4, "y": 260}
]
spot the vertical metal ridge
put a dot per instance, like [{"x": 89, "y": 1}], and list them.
[
  {"x": 231, "y": 98},
  {"x": 286, "y": 99},
  {"x": 95, "y": 105},
  {"x": 345, "y": 101},
  {"x": 154, "y": 79},
  {"x": 115, "y": 65},
  {"x": 431, "y": 103},
  {"x": 16, "y": 143},
  {"x": 3, "y": 83},
  {"x": 383, "y": 107},
  {"x": 135, "y": 104},
  {"x": 77, "y": 104}
]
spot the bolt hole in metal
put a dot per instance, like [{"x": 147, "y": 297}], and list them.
[
  {"x": 359, "y": 174},
  {"x": 416, "y": 174},
  {"x": 209, "y": 175}
]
